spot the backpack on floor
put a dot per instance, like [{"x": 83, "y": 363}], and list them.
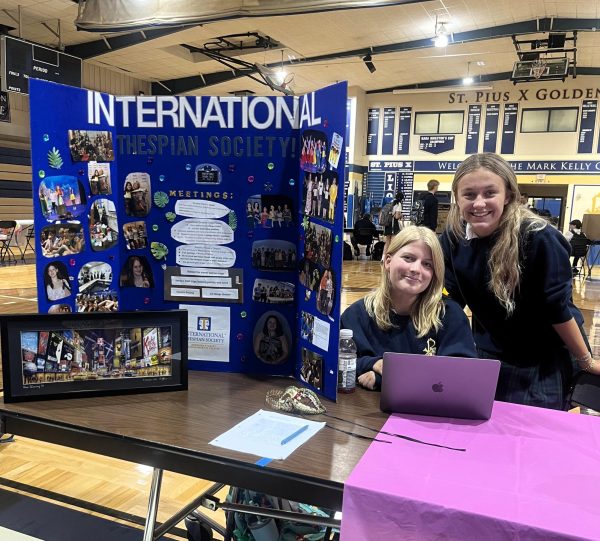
[
  {"x": 268, "y": 528},
  {"x": 377, "y": 252}
]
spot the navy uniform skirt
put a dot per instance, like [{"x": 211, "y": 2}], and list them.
[{"x": 545, "y": 385}]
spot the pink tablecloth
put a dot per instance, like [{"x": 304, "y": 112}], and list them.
[{"x": 528, "y": 474}]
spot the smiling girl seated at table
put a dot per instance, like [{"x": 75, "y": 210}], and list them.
[{"x": 406, "y": 313}]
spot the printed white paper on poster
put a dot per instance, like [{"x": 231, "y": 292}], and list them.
[
  {"x": 203, "y": 272},
  {"x": 321, "y": 334},
  {"x": 203, "y": 286},
  {"x": 335, "y": 150},
  {"x": 200, "y": 209},
  {"x": 208, "y": 332},
  {"x": 182, "y": 292},
  {"x": 225, "y": 294},
  {"x": 198, "y": 281},
  {"x": 192, "y": 230},
  {"x": 315, "y": 330},
  {"x": 196, "y": 255}
]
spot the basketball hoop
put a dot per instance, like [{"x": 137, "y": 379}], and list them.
[{"x": 538, "y": 68}]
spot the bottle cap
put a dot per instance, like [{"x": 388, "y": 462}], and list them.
[{"x": 346, "y": 333}]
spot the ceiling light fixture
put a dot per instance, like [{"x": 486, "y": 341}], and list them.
[
  {"x": 368, "y": 60},
  {"x": 468, "y": 80},
  {"x": 441, "y": 33},
  {"x": 441, "y": 40},
  {"x": 281, "y": 73}
]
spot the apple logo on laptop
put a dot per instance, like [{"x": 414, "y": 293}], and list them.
[{"x": 437, "y": 387}]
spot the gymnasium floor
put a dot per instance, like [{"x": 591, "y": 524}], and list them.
[{"x": 124, "y": 486}]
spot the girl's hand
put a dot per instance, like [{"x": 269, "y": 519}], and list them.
[
  {"x": 367, "y": 380},
  {"x": 378, "y": 367}
]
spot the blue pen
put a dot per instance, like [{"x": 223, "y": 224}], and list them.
[{"x": 289, "y": 438}]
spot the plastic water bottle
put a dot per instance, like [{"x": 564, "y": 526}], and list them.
[{"x": 347, "y": 362}]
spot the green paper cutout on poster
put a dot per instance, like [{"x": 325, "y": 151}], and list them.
[{"x": 54, "y": 158}]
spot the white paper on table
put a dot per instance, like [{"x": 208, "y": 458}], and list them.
[{"x": 261, "y": 434}]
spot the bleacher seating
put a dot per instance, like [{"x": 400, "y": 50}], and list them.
[{"x": 15, "y": 184}]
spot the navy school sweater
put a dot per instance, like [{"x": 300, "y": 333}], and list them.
[
  {"x": 453, "y": 339},
  {"x": 544, "y": 298}
]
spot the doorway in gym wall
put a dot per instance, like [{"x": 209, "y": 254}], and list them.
[{"x": 547, "y": 200}]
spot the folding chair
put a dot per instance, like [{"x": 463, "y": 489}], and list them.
[
  {"x": 366, "y": 234},
  {"x": 7, "y": 231},
  {"x": 29, "y": 241},
  {"x": 586, "y": 391},
  {"x": 579, "y": 250}
]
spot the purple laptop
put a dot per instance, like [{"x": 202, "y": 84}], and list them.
[{"x": 441, "y": 386}]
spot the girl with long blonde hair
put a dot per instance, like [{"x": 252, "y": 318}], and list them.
[
  {"x": 513, "y": 271},
  {"x": 406, "y": 313}
]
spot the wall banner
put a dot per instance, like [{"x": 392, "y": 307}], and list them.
[
  {"x": 392, "y": 165},
  {"x": 587, "y": 127},
  {"x": 373, "y": 131},
  {"x": 556, "y": 167},
  {"x": 436, "y": 144},
  {"x": 490, "y": 136},
  {"x": 473, "y": 129},
  {"x": 509, "y": 128},
  {"x": 389, "y": 122},
  {"x": 403, "y": 144}
]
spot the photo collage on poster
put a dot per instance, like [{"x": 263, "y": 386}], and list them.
[
  {"x": 272, "y": 223},
  {"x": 68, "y": 355},
  {"x": 318, "y": 161},
  {"x": 83, "y": 224}
]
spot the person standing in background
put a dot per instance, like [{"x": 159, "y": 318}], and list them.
[
  {"x": 394, "y": 209},
  {"x": 430, "y": 205}
]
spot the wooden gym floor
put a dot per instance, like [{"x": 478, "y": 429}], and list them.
[{"x": 88, "y": 480}]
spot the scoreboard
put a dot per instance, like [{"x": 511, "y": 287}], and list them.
[{"x": 22, "y": 60}]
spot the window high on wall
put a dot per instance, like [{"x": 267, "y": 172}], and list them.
[
  {"x": 442, "y": 122},
  {"x": 560, "y": 119}
]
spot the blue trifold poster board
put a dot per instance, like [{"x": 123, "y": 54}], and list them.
[{"x": 229, "y": 207}]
